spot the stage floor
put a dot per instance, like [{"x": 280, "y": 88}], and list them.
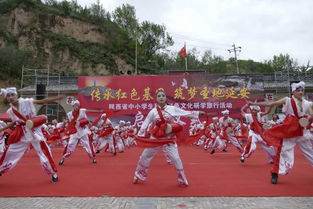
[{"x": 220, "y": 174}]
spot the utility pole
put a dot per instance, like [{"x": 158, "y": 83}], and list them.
[
  {"x": 136, "y": 52},
  {"x": 235, "y": 50}
]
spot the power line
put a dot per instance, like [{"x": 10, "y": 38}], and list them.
[
  {"x": 184, "y": 37},
  {"x": 202, "y": 46}
]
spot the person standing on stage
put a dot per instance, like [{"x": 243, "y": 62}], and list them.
[
  {"x": 120, "y": 135},
  {"x": 21, "y": 110},
  {"x": 215, "y": 141},
  {"x": 105, "y": 136},
  {"x": 78, "y": 130},
  {"x": 291, "y": 132},
  {"x": 254, "y": 119},
  {"x": 161, "y": 116},
  {"x": 227, "y": 125}
]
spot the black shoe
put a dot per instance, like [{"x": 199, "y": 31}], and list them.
[
  {"x": 114, "y": 153},
  {"x": 0, "y": 174},
  {"x": 212, "y": 152},
  {"x": 274, "y": 178},
  {"x": 55, "y": 178},
  {"x": 224, "y": 150},
  {"x": 94, "y": 161},
  {"x": 98, "y": 151},
  {"x": 61, "y": 162},
  {"x": 242, "y": 159}
]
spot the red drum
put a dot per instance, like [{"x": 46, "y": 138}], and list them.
[
  {"x": 173, "y": 128},
  {"x": 158, "y": 130},
  {"x": 304, "y": 122},
  {"x": 36, "y": 121},
  {"x": 83, "y": 122},
  {"x": 165, "y": 128}
]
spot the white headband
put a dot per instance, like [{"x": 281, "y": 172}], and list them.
[
  {"x": 75, "y": 102},
  {"x": 10, "y": 90},
  {"x": 215, "y": 118},
  {"x": 225, "y": 112},
  {"x": 295, "y": 86}
]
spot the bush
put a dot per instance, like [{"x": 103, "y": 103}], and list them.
[{"x": 12, "y": 61}]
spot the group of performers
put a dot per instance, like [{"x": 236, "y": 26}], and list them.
[
  {"x": 277, "y": 137},
  {"x": 27, "y": 130},
  {"x": 161, "y": 129},
  {"x": 225, "y": 130}
]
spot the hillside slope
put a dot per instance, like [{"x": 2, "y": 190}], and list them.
[{"x": 64, "y": 43}]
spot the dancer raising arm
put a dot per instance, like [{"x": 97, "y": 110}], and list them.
[
  {"x": 22, "y": 110},
  {"x": 158, "y": 124},
  {"x": 291, "y": 133},
  {"x": 78, "y": 129}
]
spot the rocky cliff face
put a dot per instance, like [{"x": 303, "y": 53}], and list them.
[{"x": 41, "y": 34}]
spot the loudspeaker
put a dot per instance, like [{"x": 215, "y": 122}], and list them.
[{"x": 40, "y": 91}]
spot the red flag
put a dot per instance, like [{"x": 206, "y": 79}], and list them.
[{"x": 183, "y": 52}]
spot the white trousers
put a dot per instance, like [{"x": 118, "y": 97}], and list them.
[
  {"x": 235, "y": 142},
  {"x": 2, "y": 145},
  {"x": 148, "y": 154},
  {"x": 107, "y": 140},
  {"x": 131, "y": 141},
  {"x": 219, "y": 143},
  {"x": 16, "y": 151},
  {"x": 252, "y": 144},
  {"x": 119, "y": 143},
  {"x": 84, "y": 140},
  {"x": 287, "y": 157}
]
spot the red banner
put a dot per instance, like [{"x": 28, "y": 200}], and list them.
[{"x": 132, "y": 97}]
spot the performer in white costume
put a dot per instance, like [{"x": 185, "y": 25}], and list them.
[
  {"x": 291, "y": 133},
  {"x": 158, "y": 118},
  {"x": 254, "y": 119},
  {"x": 214, "y": 137},
  {"x": 227, "y": 125},
  {"x": 120, "y": 134},
  {"x": 105, "y": 135},
  {"x": 21, "y": 111},
  {"x": 78, "y": 131}
]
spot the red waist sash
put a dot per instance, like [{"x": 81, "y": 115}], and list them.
[
  {"x": 16, "y": 134},
  {"x": 150, "y": 143},
  {"x": 289, "y": 129}
]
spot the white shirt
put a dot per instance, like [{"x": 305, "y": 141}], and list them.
[
  {"x": 27, "y": 109},
  {"x": 169, "y": 113}
]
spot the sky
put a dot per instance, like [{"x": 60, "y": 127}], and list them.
[{"x": 262, "y": 28}]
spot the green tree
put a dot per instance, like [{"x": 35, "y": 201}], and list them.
[
  {"x": 98, "y": 11},
  {"x": 305, "y": 68},
  {"x": 12, "y": 60},
  {"x": 283, "y": 63},
  {"x": 153, "y": 37},
  {"x": 212, "y": 63},
  {"x": 125, "y": 18}
]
